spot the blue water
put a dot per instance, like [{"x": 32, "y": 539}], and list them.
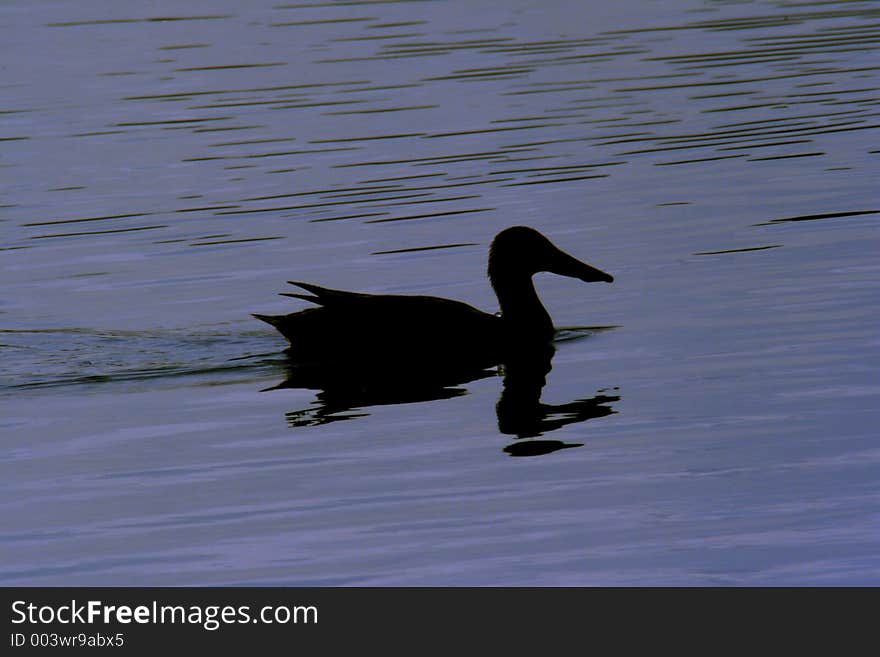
[{"x": 168, "y": 167}]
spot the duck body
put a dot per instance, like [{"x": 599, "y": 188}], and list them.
[
  {"x": 349, "y": 325},
  {"x": 385, "y": 327}
]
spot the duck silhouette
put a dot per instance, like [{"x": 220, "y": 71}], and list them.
[{"x": 389, "y": 327}]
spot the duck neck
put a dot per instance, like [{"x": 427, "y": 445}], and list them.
[{"x": 521, "y": 309}]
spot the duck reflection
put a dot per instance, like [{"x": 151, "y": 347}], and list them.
[
  {"x": 346, "y": 389},
  {"x": 521, "y": 413}
]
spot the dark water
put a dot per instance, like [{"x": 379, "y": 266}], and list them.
[{"x": 168, "y": 166}]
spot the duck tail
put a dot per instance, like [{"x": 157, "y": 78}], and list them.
[
  {"x": 304, "y": 297},
  {"x": 269, "y": 319}
]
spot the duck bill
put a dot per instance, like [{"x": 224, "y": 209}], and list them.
[{"x": 565, "y": 265}]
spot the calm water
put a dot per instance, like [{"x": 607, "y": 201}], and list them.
[{"x": 167, "y": 166}]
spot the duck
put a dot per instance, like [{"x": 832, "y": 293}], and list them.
[{"x": 411, "y": 328}]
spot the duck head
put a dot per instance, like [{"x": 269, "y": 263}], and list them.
[
  {"x": 520, "y": 252},
  {"x": 517, "y": 254}
]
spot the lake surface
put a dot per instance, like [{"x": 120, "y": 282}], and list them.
[{"x": 168, "y": 166}]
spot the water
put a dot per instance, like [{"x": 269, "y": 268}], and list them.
[{"x": 167, "y": 167}]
